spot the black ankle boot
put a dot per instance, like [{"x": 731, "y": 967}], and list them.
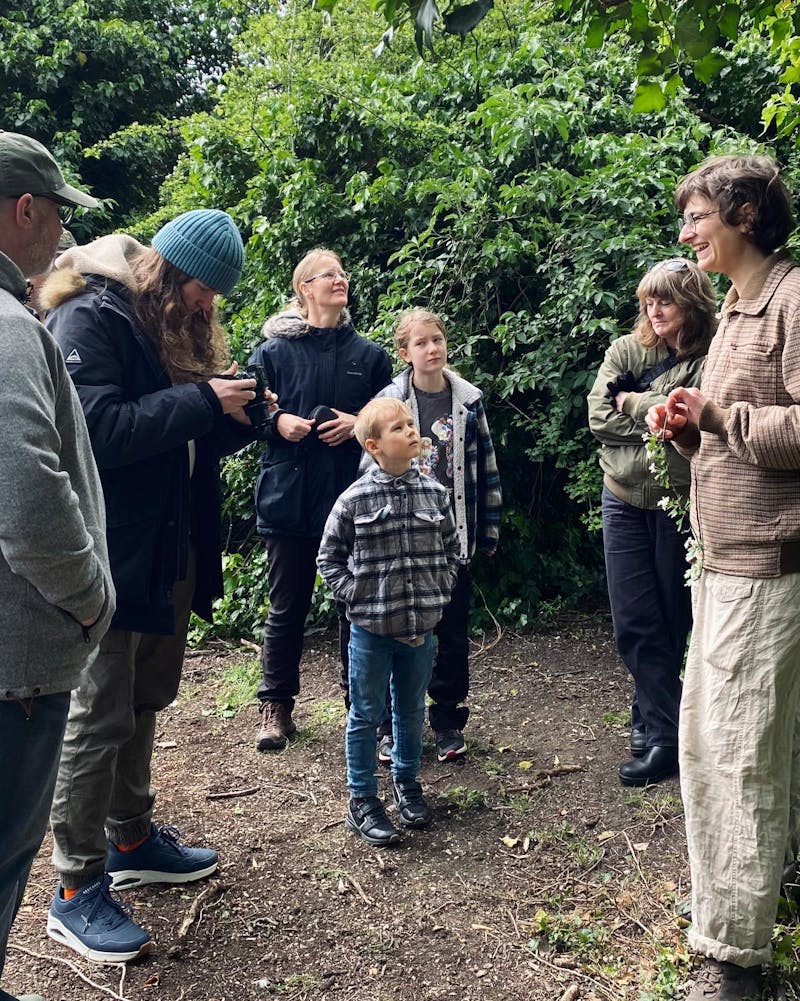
[
  {"x": 657, "y": 764},
  {"x": 638, "y": 742}
]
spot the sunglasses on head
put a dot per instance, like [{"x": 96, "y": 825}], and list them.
[{"x": 673, "y": 264}]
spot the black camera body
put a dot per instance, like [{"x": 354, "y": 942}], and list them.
[
  {"x": 258, "y": 409},
  {"x": 625, "y": 382}
]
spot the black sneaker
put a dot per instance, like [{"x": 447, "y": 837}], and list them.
[
  {"x": 449, "y": 745},
  {"x": 411, "y": 805},
  {"x": 367, "y": 818}
]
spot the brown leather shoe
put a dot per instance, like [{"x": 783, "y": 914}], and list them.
[
  {"x": 719, "y": 981},
  {"x": 276, "y": 726}
]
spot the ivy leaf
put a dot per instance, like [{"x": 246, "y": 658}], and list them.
[
  {"x": 461, "y": 20},
  {"x": 424, "y": 20},
  {"x": 649, "y": 97}
]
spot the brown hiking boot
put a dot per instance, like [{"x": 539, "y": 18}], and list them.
[
  {"x": 719, "y": 981},
  {"x": 276, "y": 726}
]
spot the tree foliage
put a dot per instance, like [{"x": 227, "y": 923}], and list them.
[
  {"x": 697, "y": 40},
  {"x": 103, "y": 78}
]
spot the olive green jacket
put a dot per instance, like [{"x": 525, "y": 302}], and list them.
[{"x": 623, "y": 455}]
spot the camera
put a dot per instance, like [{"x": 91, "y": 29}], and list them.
[
  {"x": 625, "y": 382},
  {"x": 258, "y": 409}
]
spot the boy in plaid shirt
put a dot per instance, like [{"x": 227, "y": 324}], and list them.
[{"x": 389, "y": 550}]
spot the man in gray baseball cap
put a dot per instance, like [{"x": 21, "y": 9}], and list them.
[
  {"x": 56, "y": 593},
  {"x": 27, "y": 167}
]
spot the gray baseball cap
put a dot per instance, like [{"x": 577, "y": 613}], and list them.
[{"x": 26, "y": 167}]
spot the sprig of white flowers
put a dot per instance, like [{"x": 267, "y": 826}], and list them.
[{"x": 676, "y": 506}]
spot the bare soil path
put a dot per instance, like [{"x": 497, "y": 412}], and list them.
[{"x": 541, "y": 879}]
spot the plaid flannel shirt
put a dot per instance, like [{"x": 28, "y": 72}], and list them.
[{"x": 390, "y": 552}]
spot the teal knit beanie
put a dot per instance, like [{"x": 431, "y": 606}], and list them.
[{"x": 206, "y": 245}]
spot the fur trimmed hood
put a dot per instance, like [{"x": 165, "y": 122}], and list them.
[
  {"x": 109, "y": 257},
  {"x": 292, "y": 324}
]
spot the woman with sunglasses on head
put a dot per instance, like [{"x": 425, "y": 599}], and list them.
[
  {"x": 644, "y": 548},
  {"x": 324, "y": 373},
  {"x": 739, "y": 733}
]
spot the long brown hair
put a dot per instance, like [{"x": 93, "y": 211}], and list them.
[
  {"x": 682, "y": 282},
  {"x": 191, "y": 346}
]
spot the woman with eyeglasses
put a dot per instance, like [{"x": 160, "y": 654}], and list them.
[
  {"x": 644, "y": 548},
  {"x": 324, "y": 373},
  {"x": 740, "y": 730}
]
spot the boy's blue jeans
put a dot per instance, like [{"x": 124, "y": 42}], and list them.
[{"x": 376, "y": 661}]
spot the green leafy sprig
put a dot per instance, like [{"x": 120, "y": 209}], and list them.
[{"x": 676, "y": 506}]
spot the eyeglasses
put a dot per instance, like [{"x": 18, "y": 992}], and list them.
[
  {"x": 328, "y": 276},
  {"x": 691, "y": 219},
  {"x": 66, "y": 213},
  {"x": 673, "y": 264}
]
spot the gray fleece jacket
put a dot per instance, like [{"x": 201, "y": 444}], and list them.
[{"x": 54, "y": 568}]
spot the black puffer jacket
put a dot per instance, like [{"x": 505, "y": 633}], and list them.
[
  {"x": 309, "y": 367},
  {"x": 140, "y": 426}
]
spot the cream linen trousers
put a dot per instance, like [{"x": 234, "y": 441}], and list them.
[{"x": 740, "y": 758}]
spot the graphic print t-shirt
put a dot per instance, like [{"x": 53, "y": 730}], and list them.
[{"x": 436, "y": 424}]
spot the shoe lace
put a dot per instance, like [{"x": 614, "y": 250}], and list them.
[
  {"x": 170, "y": 836},
  {"x": 105, "y": 901},
  {"x": 709, "y": 978},
  {"x": 274, "y": 712}
]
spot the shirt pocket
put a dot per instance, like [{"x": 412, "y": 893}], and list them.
[{"x": 753, "y": 372}]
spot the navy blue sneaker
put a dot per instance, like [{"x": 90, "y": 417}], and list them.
[
  {"x": 160, "y": 859},
  {"x": 96, "y": 925}
]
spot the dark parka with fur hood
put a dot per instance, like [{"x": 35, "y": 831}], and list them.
[
  {"x": 140, "y": 427},
  {"x": 309, "y": 367}
]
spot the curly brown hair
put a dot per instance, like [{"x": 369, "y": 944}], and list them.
[
  {"x": 682, "y": 282},
  {"x": 191, "y": 346},
  {"x": 746, "y": 188}
]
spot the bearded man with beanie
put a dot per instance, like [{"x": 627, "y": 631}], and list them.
[
  {"x": 56, "y": 594},
  {"x": 139, "y": 332}
]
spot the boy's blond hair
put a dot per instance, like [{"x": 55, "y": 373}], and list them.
[
  {"x": 407, "y": 319},
  {"x": 374, "y": 417}
]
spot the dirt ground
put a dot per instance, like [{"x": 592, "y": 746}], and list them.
[{"x": 540, "y": 879}]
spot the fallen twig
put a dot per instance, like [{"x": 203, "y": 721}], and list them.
[
  {"x": 331, "y": 824},
  {"x": 596, "y": 984},
  {"x": 76, "y": 970},
  {"x": 214, "y": 889},
  {"x": 357, "y": 887},
  {"x": 250, "y": 645},
  {"x": 233, "y": 793},
  {"x": 486, "y": 647},
  {"x": 296, "y": 792}
]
